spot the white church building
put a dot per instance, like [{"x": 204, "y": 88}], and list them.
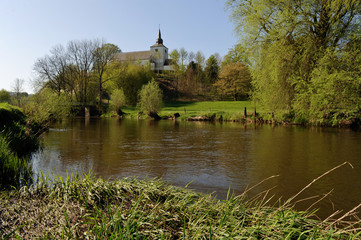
[{"x": 157, "y": 56}]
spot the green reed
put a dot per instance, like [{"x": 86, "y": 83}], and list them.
[{"x": 88, "y": 207}]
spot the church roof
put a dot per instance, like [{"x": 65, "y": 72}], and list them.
[{"x": 132, "y": 56}]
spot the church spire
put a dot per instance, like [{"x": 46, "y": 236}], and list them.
[{"x": 159, "y": 40}]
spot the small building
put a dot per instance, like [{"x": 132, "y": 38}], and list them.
[{"x": 157, "y": 56}]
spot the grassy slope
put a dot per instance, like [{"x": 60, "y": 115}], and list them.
[{"x": 89, "y": 207}]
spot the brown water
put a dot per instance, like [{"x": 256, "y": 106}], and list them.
[{"x": 213, "y": 156}]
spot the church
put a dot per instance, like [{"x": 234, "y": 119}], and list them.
[{"x": 157, "y": 56}]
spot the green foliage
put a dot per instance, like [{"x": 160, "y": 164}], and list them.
[
  {"x": 334, "y": 92},
  {"x": 118, "y": 100},
  {"x": 46, "y": 105},
  {"x": 272, "y": 78},
  {"x": 234, "y": 55},
  {"x": 150, "y": 98},
  {"x": 211, "y": 70},
  {"x": 17, "y": 139},
  {"x": 131, "y": 80},
  {"x": 234, "y": 80},
  {"x": 5, "y": 96},
  {"x": 287, "y": 43},
  {"x": 10, "y": 114},
  {"x": 12, "y": 168}
]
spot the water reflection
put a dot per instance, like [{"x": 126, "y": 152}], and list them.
[{"x": 215, "y": 156}]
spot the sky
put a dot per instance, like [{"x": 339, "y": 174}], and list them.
[{"x": 29, "y": 29}]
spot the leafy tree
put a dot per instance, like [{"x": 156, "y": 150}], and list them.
[
  {"x": 192, "y": 84},
  {"x": 150, "y": 98},
  {"x": 175, "y": 56},
  {"x": 234, "y": 80},
  {"x": 5, "y": 96},
  {"x": 286, "y": 42},
  {"x": 235, "y": 54},
  {"x": 212, "y": 69}
]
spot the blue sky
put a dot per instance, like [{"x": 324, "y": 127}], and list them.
[{"x": 29, "y": 29}]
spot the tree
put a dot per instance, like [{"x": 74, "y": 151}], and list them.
[
  {"x": 18, "y": 88},
  {"x": 175, "y": 56},
  {"x": 71, "y": 70},
  {"x": 235, "y": 54},
  {"x": 286, "y": 40},
  {"x": 150, "y": 98},
  {"x": 211, "y": 70},
  {"x": 199, "y": 58},
  {"x": 234, "y": 80},
  {"x": 131, "y": 79},
  {"x": 81, "y": 54},
  {"x": 102, "y": 58},
  {"x": 183, "y": 56},
  {"x": 47, "y": 105},
  {"x": 5, "y": 96},
  {"x": 191, "y": 56},
  {"x": 52, "y": 71},
  {"x": 193, "y": 79}
]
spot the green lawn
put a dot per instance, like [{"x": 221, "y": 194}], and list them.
[{"x": 228, "y": 110}]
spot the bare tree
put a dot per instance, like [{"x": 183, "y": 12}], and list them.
[
  {"x": 200, "y": 59},
  {"x": 18, "y": 88},
  {"x": 191, "y": 56},
  {"x": 81, "y": 55},
  {"x": 183, "y": 56},
  {"x": 102, "y": 59},
  {"x": 52, "y": 70}
]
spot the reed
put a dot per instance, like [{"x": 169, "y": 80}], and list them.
[{"x": 88, "y": 207}]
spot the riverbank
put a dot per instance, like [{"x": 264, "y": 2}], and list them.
[
  {"x": 232, "y": 111},
  {"x": 235, "y": 111},
  {"x": 91, "y": 208},
  {"x": 18, "y": 137}
]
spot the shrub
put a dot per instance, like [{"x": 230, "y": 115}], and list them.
[
  {"x": 150, "y": 98},
  {"x": 118, "y": 100}
]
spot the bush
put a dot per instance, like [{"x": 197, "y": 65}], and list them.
[
  {"x": 118, "y": 100},
  {"x": 46, "y": 105},
  {"x": 150, "y": 98}
]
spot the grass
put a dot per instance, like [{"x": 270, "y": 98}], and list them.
[{"x": 88, "y": 207}]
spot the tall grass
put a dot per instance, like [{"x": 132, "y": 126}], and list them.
[
  {"x": 13, "y": 170},
  {"x": 88, "y": 207}
]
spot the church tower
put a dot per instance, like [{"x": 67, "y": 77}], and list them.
[{"x": 159, "y": 53}]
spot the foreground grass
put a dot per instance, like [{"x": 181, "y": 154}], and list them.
[{"x": 92, "y": 208}]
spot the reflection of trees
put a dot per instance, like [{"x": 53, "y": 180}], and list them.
[{"x": 214, "y": 155}]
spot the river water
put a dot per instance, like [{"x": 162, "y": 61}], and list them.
[{"x": 213, "y": 157}]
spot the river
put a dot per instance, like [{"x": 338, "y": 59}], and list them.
[{"x": 212, "y": 157}]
